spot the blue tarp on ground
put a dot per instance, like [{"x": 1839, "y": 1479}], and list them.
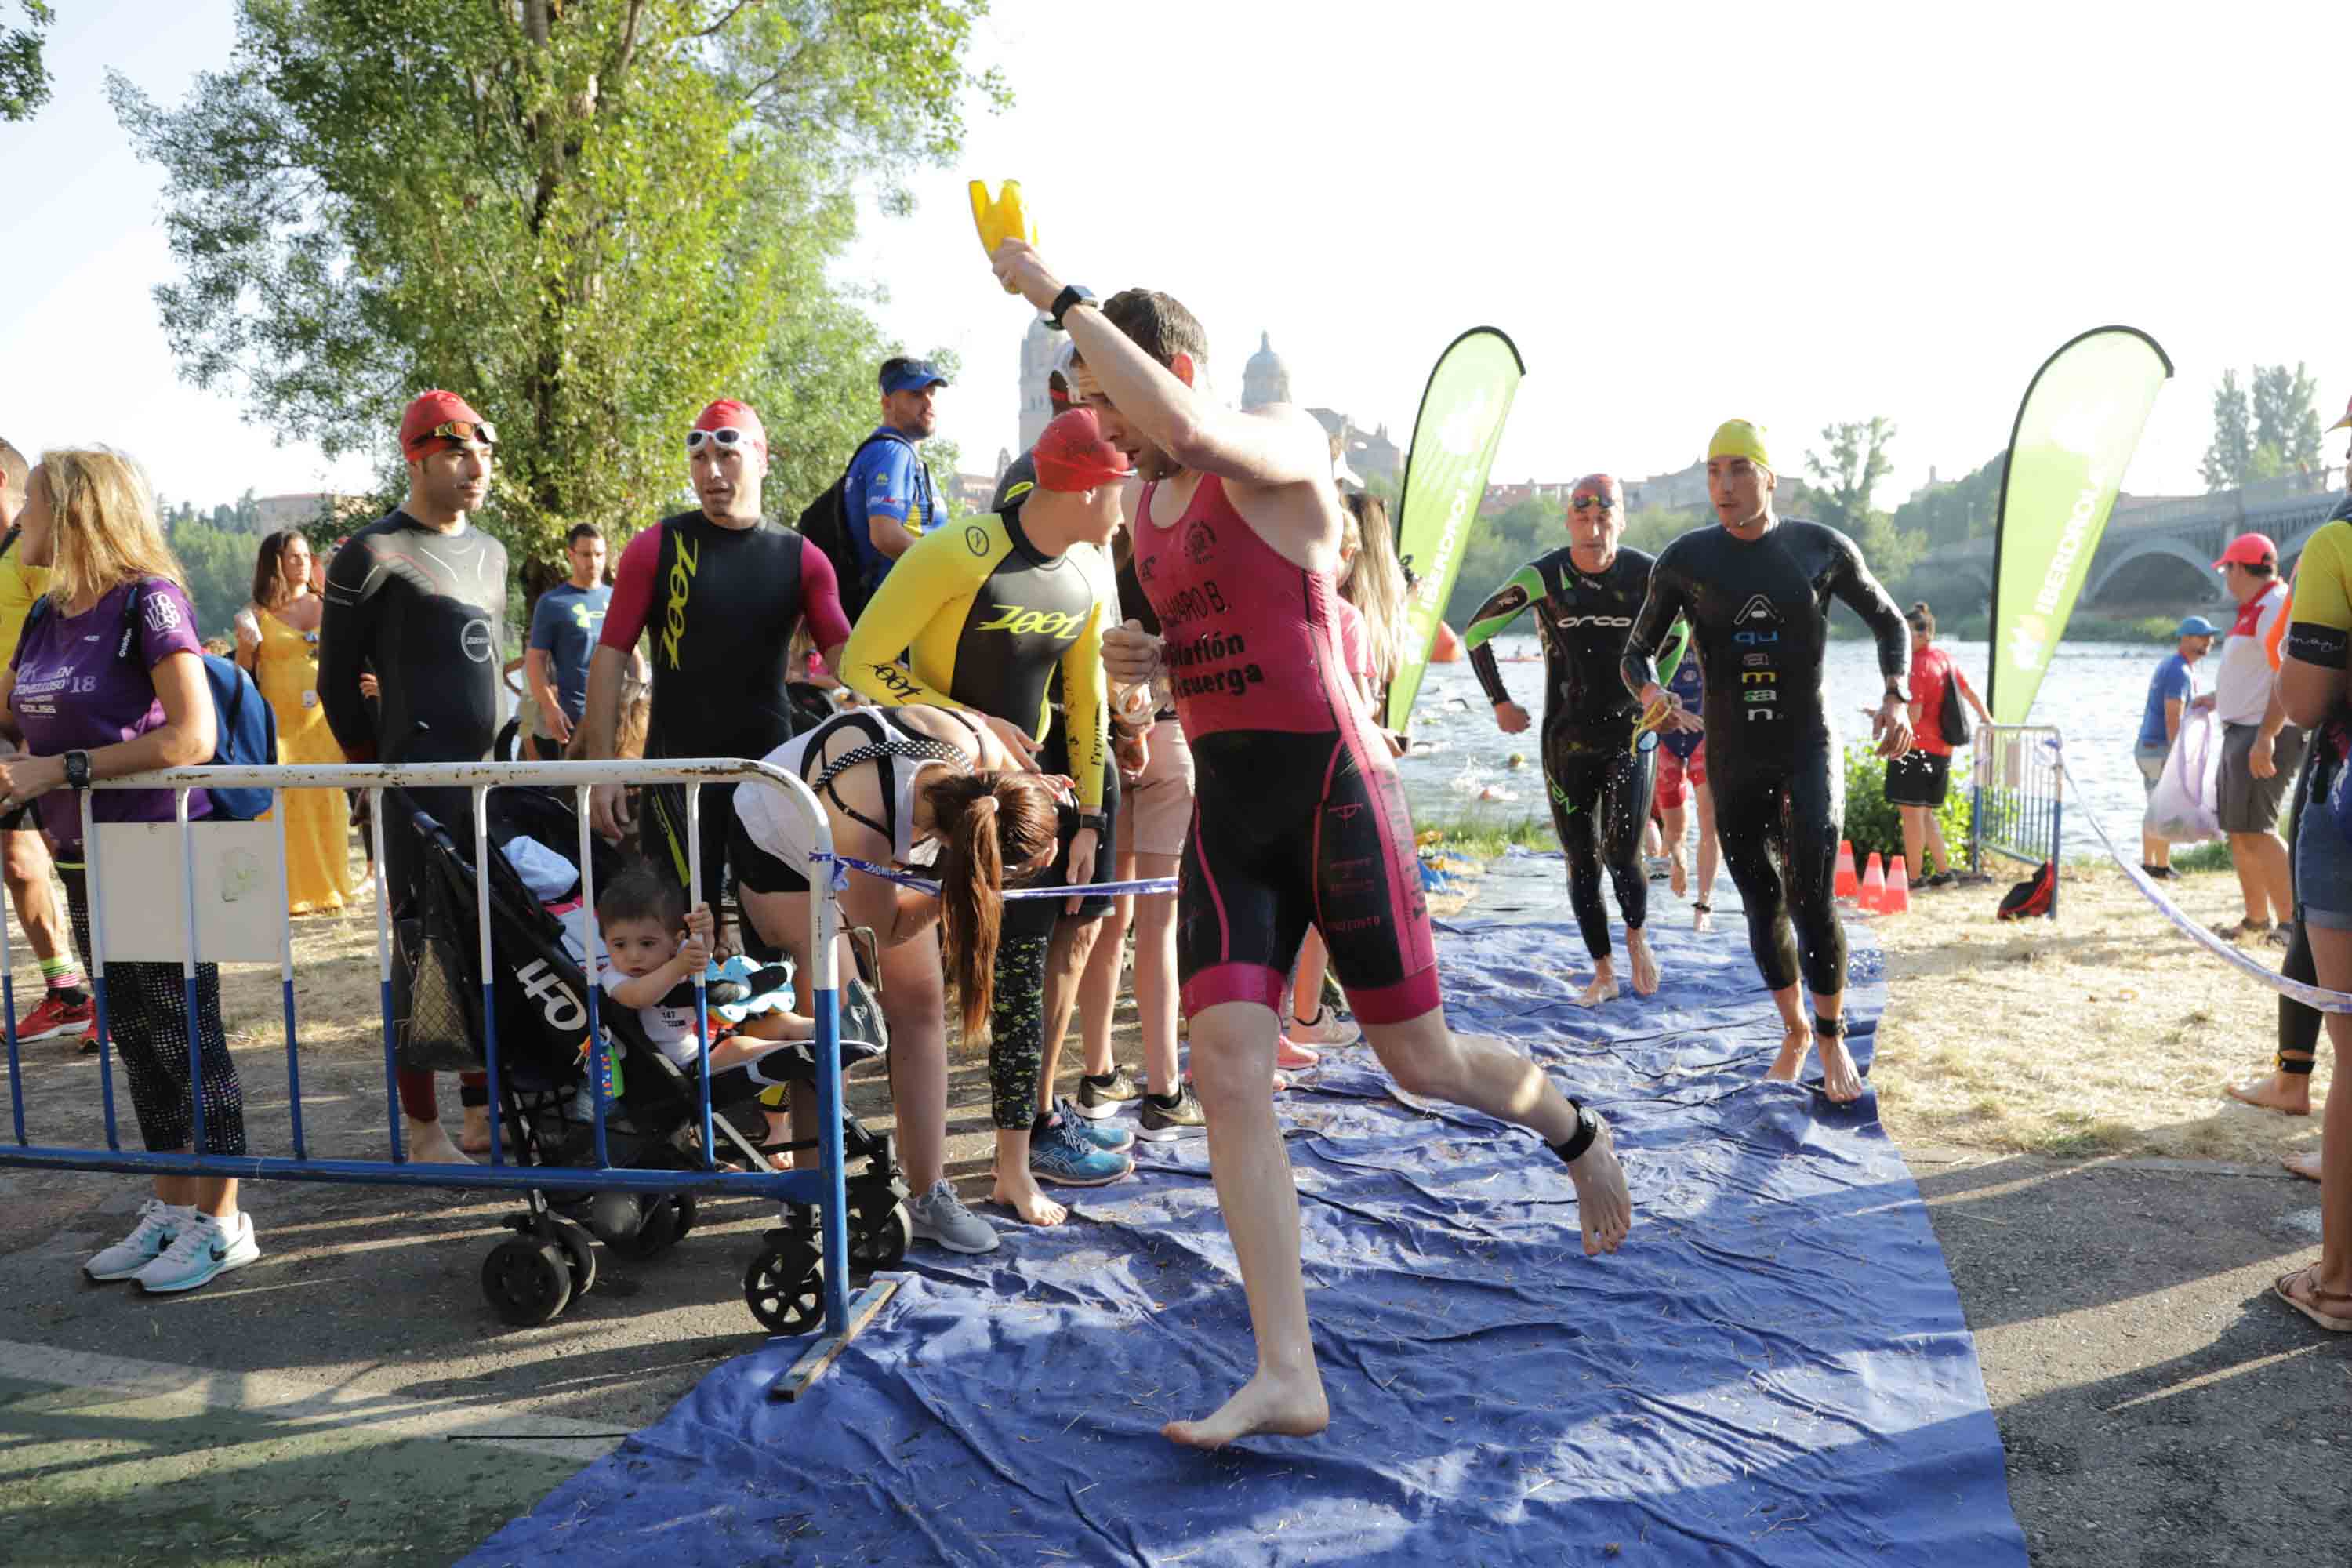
[{"x": 1774, "y": 1371}]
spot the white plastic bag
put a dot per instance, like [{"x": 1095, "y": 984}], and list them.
[{"x": 2185, "y": 807}]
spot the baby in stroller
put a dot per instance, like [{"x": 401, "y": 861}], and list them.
[{"x": 653, "y": 947}]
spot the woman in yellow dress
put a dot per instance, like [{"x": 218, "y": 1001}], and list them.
[{"x": 278, "y": 640}]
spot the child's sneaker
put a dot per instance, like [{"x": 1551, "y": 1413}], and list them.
[
  {"x": 1060, "y": 1154},
  {"x": 158, "y": 1223},
  {"x": 1178, "y": 1116},
  {"x": 203, "y": 1248},
  {"x": 1101, "y": 1097}
]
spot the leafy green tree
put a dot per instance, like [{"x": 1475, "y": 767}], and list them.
[
  {"x": 1955, "y": 510},
  {"x": 219, "y": 563},
  {"x": 2287, "y": 420},
  {"x": 2231, "y": 451},
  {"x": 588, "y": 216},
  {"x": 1843, "y": 484},
  {"x": 24, "y": 76}
]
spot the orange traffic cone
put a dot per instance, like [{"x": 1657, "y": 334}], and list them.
[
  {"x": 1873, "y": 884},
  {"x": 1847, "y": 886},
  {"x": 1897, "y": 900}
]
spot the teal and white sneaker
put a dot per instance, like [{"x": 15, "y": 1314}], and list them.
[
  {"x": 1102, "y": 1135},
  {"x": 199, "y": 1251},
  {"x": 1061, "y": 1155},
  {"x": 158, "y": 1222}
]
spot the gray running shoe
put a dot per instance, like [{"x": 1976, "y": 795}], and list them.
[
  {"x": 1161, "y": 1123},
  {"x": 940, "y": 1216}
]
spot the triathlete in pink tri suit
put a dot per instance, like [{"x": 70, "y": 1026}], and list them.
[{"x": 1299, "y": 815}]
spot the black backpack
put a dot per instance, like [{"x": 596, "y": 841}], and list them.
[
  {"x": 1952, "y": 719},
  {"x": 825, "y": 523}
]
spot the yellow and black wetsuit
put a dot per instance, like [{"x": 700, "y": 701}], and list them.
[{"x": 986, "y": 619}]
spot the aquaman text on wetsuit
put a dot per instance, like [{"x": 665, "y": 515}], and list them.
[
  {"x": 1759, "y": 611},
  {"x": 1599, "y": 782}
]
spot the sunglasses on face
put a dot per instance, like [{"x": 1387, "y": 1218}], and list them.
[
  {"x": 1585, "y": 503},
  {"x": 463, "y": 430},
  {"x": 727, "y": 438}
]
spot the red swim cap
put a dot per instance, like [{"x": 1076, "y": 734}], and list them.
[
  {"x": 431, "y": 410},
  {"x": 1071, "y": 455},
  {"x": 727, "y": 414}
]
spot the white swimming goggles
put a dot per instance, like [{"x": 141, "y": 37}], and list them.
[{"x": 727, "y": 438}]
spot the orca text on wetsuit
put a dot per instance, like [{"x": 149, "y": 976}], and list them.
[
  {"x": 1599, "y": 781},
  {"x": 1759, "y": 612}
]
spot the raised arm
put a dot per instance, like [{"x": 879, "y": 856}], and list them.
[
  {"x": 1520, "y": 589},
  {"x": 1274, "y": 446}
]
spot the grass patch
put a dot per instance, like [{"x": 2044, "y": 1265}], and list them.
[
  {"x": 2209, "y": 857},
  {"x": 1483, "y": 836}
]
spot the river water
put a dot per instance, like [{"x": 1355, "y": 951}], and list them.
[{"x": 2094, "y": 694}]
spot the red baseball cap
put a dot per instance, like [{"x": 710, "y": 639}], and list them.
[
  {"x": 1071, "y": 455},
  {"x": 729, "y": 415},
  {"x": 428, "y": 411},
  {"x": 2249, "y": 550}
]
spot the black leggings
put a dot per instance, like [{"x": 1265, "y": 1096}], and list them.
[
  {"x": 1017, "y": 1027},
  {"x": 1778, "y": 827},
  {"x": 1600, "y": 795},
  {"x": 2299, "y": 1025},
  {"x": 147, "y": 1019}
]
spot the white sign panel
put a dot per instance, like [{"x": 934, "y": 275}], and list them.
[{"x": 240, "y": 890}]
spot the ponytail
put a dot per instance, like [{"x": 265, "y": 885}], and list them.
[{"x": 986, "y": 819}]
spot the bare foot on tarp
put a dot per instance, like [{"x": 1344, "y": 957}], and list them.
[
  {"x": 1796, "y": 1039},
  {"x": 1841, "y": 1080},
  {"x": 1281, "y": 1406},
  {"x": 1677, "y": 874},
  {"x": 1645, "y": 961},
  {"x": 2306, "y": 1165},
  {"x": 1601, "y": 988},
  {"x": 1028, "y": 1200},
  {"x": 1702, "y": 918},
  {"x": 1602, "y": 1203},
  {"x": 2288, "y": 1093}
]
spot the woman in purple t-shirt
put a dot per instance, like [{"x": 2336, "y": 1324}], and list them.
[{"x": 108, "y": 679}]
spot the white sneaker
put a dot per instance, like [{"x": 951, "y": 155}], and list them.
[
  {"x": 1326, "y": 1028},
  {"x": 158, "y": 1222},
  {"x": 940, "y": 1216},
  {"x": 203, "y": 1248}
]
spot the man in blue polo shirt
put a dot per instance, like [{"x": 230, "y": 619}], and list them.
[
  {"x": 564, "y": 627},
  {"x": 2171, "y": 692},
  {"x": 889, "y": 499}
]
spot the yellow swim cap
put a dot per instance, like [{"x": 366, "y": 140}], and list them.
[{"x": 1739, "y": 439}]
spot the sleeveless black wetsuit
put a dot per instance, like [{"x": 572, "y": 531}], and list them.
[
  {"x": 426, "y": 611},
  {"x": 1760, "y": 612},
  {"x": 1600, "y": 784}
]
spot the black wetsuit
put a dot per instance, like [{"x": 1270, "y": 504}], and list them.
[
  {"x": 426, "y": 611},
  {"x": 1759, "y": 612},
  {"x": 1600, "y": 782}
]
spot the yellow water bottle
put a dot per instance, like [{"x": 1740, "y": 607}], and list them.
[{"x": 999, "y": 218}]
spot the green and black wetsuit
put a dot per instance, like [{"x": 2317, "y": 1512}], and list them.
[{"x": 1599, "y": 781}]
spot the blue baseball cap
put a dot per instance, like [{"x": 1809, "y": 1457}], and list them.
[
  {"x": 901, "y": 375},
  {"x": 2196, "y": 626}
]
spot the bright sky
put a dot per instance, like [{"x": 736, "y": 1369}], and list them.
[{"x": 1680, "y": 214}]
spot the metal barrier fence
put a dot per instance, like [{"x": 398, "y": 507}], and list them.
[
  {"x": 822, "y": 1187},
  {"x": 2017, "y": 798}
]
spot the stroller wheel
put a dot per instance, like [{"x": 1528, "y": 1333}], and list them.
[
  {"x": 580, "y": 1256},
  {"x": 686, "y": 1216},
  {"x": 784, "y": 1286},
  {"x": 879, "y": 1229},
  {"x": 527, "y": 1282},
  {"x": 658, "y": 1232}
]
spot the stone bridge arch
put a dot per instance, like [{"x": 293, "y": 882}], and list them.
[{"x": 2158, "y": 567}]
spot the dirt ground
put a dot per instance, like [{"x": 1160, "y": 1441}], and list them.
[{"x": 2105, "y": 1032}]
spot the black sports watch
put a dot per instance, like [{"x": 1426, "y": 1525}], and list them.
[
  {"x": 1068, "y": 300},
  {"x": 76, "y": 770},
  {"x": 1094, "y": 819}
]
